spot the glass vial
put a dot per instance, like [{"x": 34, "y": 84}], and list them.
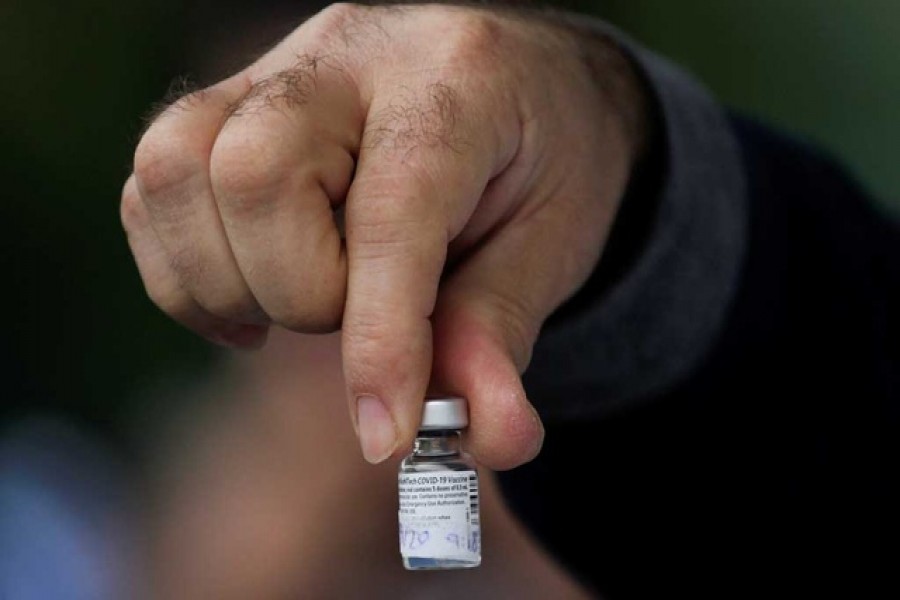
[{"x": 439, "y": 521}]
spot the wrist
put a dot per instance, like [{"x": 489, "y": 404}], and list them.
[
  {"x": 629, "y": 103},
  {"x": 620, "y": 86}
]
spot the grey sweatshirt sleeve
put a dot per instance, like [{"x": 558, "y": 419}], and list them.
[{"x": 648, "y": 330}]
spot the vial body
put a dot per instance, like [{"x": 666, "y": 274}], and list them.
[{"x": 440, "y": 524}]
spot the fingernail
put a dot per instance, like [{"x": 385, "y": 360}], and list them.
[
  {"x": 377, "y": 432},
  {"x": 539, "y": 442}
]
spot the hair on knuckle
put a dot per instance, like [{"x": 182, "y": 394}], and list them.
[
  {"x": 360, "y": 25},
  {"x": 429, "y": 119},
  {"x": 287, "y": 89},
  {"x": 182, "y": 94}
]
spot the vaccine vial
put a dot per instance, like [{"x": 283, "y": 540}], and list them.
[{"x": 439, "y": 521}]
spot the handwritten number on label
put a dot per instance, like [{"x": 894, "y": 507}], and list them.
[{"x": 412, "y": 539}]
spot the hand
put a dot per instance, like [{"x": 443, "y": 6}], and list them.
[{"x": 478, "y": 158}]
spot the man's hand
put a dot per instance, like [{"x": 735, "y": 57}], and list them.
[{"x": 478, "y": 157}]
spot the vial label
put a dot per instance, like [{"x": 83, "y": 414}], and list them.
[{"x": 439, "y": 515}]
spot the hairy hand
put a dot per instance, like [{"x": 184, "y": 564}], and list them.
[{"x": 476, "y": 159}]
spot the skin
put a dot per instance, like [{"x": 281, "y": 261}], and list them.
[
  {"x": 258, "y": 491},
  {"x": 476, "y": 160}
]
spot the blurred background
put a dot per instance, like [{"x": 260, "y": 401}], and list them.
[{"x": 89, "y": 363}]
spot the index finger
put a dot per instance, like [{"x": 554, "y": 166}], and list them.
[{"x": 424, "y": 164}]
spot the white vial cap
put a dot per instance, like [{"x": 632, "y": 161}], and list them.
[{"x": 445, "y": 412}]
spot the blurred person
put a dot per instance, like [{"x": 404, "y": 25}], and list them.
[
  {"x": 65, "y": 522},
  {"x": 261, "y": 493},
  {"x": 440, "y": 183}
]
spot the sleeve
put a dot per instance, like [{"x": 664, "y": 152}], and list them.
[
  {"x": 629, "y": 337},
  {"x": 753, "y": 334}
]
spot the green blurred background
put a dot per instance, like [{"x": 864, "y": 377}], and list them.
[{"x": 80, "y": 336}]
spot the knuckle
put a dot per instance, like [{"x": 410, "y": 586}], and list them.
[
  {"x": 305, "y": 320},
  {"x": 229, "y": 306},
  {"x": 317, "y": 309},
  {"x": 245, "y": 172},
  {"x": 170, "y": 299},
  {"x": 187, "y": 264},
  {"x": 333, "y": 23},
  {"x": 366, "y": 333},
  {"x": 372, "y": 354},
  {"x": 415, "y": 122},
  {"x": 335, "y": 16},
  {"x": 195, "y": 271},
  {"x": 198, "y": 277},
  {"x": 400, "y": 243},
  {"x": 396, "y": 206},
  {"x": 131, "y": 209},
  {"x": 473, "y": 36},
  {"x": 284, "y": 90},
  {"x": 352, "y": 32},
  {"x": 384, "y": 238},
  {"x": 163, "y": 163}
]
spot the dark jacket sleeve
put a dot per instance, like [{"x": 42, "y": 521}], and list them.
[
  {"x": 752, "y": 353},
  {"x": 631, "y": 334}
]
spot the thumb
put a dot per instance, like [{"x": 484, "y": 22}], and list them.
[
  {"x": 477, "y": 354},
  {"x": 488, "y": 316}
]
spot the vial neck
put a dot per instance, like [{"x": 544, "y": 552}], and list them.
[{"x": 437, "y": 443}]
